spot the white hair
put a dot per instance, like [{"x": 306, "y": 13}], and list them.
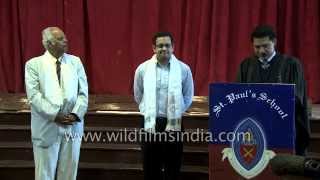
[{"x": 47, "y": 36}]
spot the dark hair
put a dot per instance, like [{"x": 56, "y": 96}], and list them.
[
  {"x": 263, "y": 31},
  {"x": 161, "y": 34}
]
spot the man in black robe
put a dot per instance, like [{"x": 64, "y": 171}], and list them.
[{"x": 269, "y": 66}]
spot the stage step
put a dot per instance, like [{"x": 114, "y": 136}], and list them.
[
  {"x": 105, "y": 119},
  {"x": 19, "y": 169},
  {"x": 313, "y": 155},
  {"x": 315, "y": 143},
  {"x": 103, "y": 153},
  {"x": 20, "y": 133},
  {"x": 315, "y": 125},
  {"x": 122, "y": 119}
]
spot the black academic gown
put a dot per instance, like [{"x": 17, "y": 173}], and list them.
[{"x": 283, "y": 69}]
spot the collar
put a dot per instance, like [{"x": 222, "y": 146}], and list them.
[
  {"x": 167, "y": 65},
  {"x": 52, "y": 58},
  {"x": 269, "y": 59}
]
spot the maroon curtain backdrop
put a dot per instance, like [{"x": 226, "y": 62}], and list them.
[{"x": 113, "y": 36}]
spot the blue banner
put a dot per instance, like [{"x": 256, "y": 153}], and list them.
[{"x": 249, "y": 123}]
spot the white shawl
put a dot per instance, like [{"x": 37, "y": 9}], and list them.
[{"x": 175, "y": 97}]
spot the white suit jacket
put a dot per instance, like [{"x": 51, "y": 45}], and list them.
[{"x": 47, "y": 97}]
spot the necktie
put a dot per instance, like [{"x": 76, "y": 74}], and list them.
[
  {"x": 58, "y": 69},
  {"x": 265, "y": 64}
]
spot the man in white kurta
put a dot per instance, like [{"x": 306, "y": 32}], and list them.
[{"x": 59, "y": 101}]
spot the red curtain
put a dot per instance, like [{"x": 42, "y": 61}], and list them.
[{"x": 114, "y": 36}]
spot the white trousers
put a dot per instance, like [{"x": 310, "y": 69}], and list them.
[{"x": 58, "y": 161}]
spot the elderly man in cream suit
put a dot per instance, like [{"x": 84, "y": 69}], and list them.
[{"x": 57, "y": 91}]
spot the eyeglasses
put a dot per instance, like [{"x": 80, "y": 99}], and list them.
[{"x": 163, "y": 45}]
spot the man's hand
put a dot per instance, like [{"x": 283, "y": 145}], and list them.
[
  {"x": 68, "y": 119},
  {"x": 71, "y": 118}
]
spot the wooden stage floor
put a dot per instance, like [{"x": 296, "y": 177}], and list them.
[{"x": 115, "y": 104}]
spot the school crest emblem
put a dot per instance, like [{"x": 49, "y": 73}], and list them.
[{"x": 248, "y": 154}]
